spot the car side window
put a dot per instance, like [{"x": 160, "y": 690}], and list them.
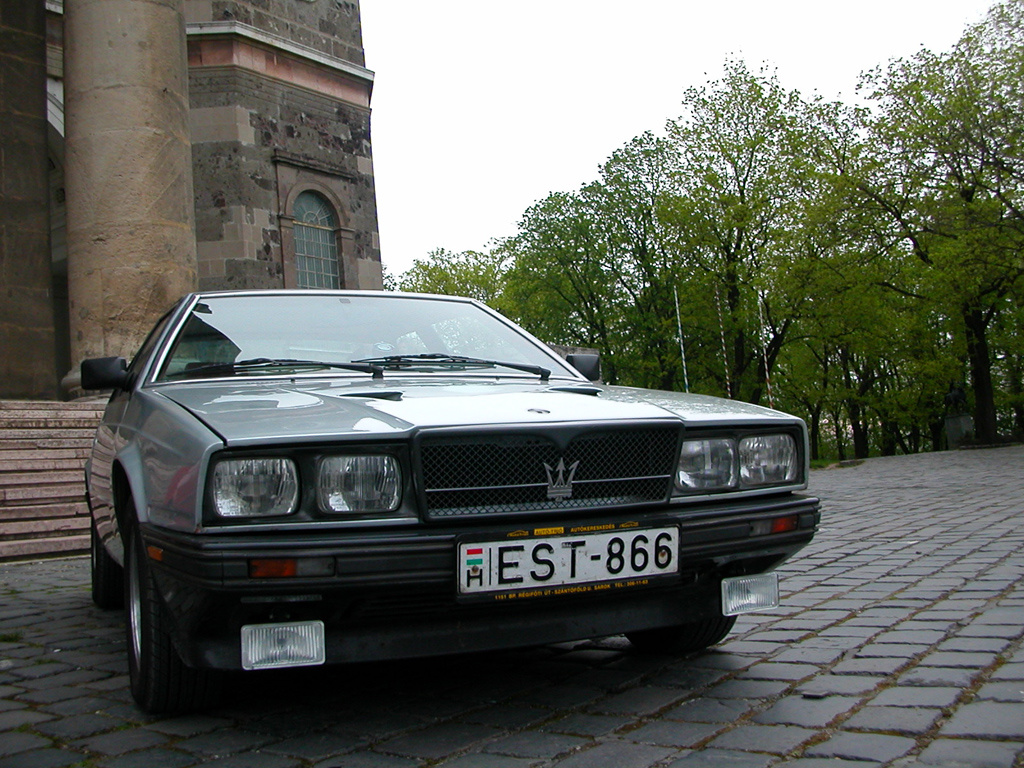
[{"x": 146, "y": 350}]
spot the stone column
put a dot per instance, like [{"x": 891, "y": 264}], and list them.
[
  {"x": 130, "y": 211},
  {"x": 27, "y": 358}
]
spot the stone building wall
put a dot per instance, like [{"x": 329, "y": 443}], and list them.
[
  {"x": 279, "y": 105},
  {"x": 331, "y": 27}
]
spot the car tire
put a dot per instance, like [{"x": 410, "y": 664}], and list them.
[
  {"x": 684, "y": 638},
  {"x": 160, "y": 681},
  {"x": 107, "y": 575}
]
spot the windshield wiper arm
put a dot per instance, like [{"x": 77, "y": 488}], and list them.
[
  {"x": 438, "y": 358},
  {"x": 258, "y": 363}
]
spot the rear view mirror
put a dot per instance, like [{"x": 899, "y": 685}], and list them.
[
  {"x": 104, "y": 373},
  {"x": 587, "y": 364}
]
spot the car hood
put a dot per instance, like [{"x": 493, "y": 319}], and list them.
[{"x": 291, "y": 410}]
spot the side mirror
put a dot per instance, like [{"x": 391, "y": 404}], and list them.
[
  {"x": 587, "y": 364},
  {"x": 104, "y": 373}
]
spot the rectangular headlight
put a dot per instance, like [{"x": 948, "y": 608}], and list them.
[
  {"x": 708, "y": 464},
  {"x": 746, "y": 594},
  {"x": 768, "y": 460},
  {"x": 255, "y": 487},
  {"x": 361, "y": 484},
  {"x": 274, "y": 646}
]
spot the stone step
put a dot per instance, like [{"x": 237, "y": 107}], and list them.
[
  {"x": 43, "y": 478},
  {"x": 74, "y": 436},
  {"x": 45, "y": 511},
  {"x": 45, "y": 494},
  {"x": 29, "y": 549},
  {"x": 84, "y": 404},
  {"x": 43, "y": 449},
  {"x": 58, "y": 453},
  {"x": 40, "y": 461},
  {"x": 38, "y": 529}
]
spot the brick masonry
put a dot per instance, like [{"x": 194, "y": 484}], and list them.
[{"x": 899, "y": 643}]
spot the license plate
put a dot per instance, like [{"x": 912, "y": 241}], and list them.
[{"x": 566, "y": 564}]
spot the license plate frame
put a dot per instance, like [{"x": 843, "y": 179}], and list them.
[{"x": 555, "y": 561}]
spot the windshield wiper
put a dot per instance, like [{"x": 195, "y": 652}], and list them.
[
  {"x": 266, "y": 363},
  {"x": 439, "y": 358}
]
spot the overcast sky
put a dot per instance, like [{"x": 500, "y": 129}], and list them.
[{"x": 483, "y": 107}]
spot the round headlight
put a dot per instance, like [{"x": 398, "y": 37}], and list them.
[
  {"x": 255, "y": 487},
  {"x": 360, "y": 484},
  {"x": 706, "y": 465},
  {"x": 768, "y": 460}
]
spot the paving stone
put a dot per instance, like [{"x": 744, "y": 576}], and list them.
[
  {"x": 78, "y": 726},
  {"x": 151, "y": 758},
  {"x": 43, "y": 758},
  {"x": 862, "y": 746},
  {"x": 482, "y": 760},
  {"x": 119, "y": 742},
  {"x": 691, "y": 678},
  {"x": 535, "y": 744},
  {"x": 959, "y": 659},
  {"x": 641, "y": 700},
  {"x": 941, "y": 676},
  {"x": 986, "y": 718},
  {"x": 315, "y": 746},
  {"x": 778, "y": 671},
  {"x": 189, "y": 725},
  {"x": 850, "y": 685},
  {"x": 828, "y": 762},
  {"x": 910, "y": 696},
  {"x": 905, "y": 651},
  {"x": 913, "y": 720},
  {"x": 868, "y": 666},
  {"x": 507, "y": 716},
  {"x": 810, "y": 713},
  {"x": 366, "y": 759},
  {"x": 776, "y": 739},
  {"x": 722, "y": 758},
  {"x": 220, "y": 743},
  {"x": 746, "y": 689},
  {"x": 1011, "y": 671},
  {"x": 672, "y": 733},
  {"x": 617, "y": 754},
  {"x": 1010, "y": 691},
  {"x": 1004, "y": 632},
  {"x": 17, "y": 718},
  {"x": 562, "y": 696},
  {"x": 971, "y": 644},
  {"x": 966, "y": 753},
  {"x": 709, "y": 710},
  {"x": 583, "y": 724},
  {"x": 252, "y": 760},
  {"x": 14, "y": 742},
  {"x": 806, "y": 655}
]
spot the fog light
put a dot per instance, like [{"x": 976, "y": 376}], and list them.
[
  {"x": 292, "y": 644},
  {"x": 746, "y": 594}
]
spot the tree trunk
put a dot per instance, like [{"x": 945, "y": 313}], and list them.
[{"x": 976, "y": 329}]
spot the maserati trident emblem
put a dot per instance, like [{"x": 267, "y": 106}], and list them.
[{"x": 559, "y": 483}]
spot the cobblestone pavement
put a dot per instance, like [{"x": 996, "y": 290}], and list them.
[{"x": 898, "y": 644}]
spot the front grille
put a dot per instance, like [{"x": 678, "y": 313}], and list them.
[{"x": 495, "y": 474}]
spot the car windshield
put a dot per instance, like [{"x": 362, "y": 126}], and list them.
[{"x": 272, "y": 333}]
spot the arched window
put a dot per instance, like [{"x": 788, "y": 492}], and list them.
[{"x": 316, "y": 243}]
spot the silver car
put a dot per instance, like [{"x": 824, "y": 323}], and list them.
[{"x": 291, "y": 478}]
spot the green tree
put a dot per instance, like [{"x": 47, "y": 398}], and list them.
[
  {"x": 748, "y": 171},
  {"x": 948, "y": 173},
  {"x": 472, "y": 274}
]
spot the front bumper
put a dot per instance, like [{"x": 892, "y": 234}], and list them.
[{"x": 393, "y": 594}]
